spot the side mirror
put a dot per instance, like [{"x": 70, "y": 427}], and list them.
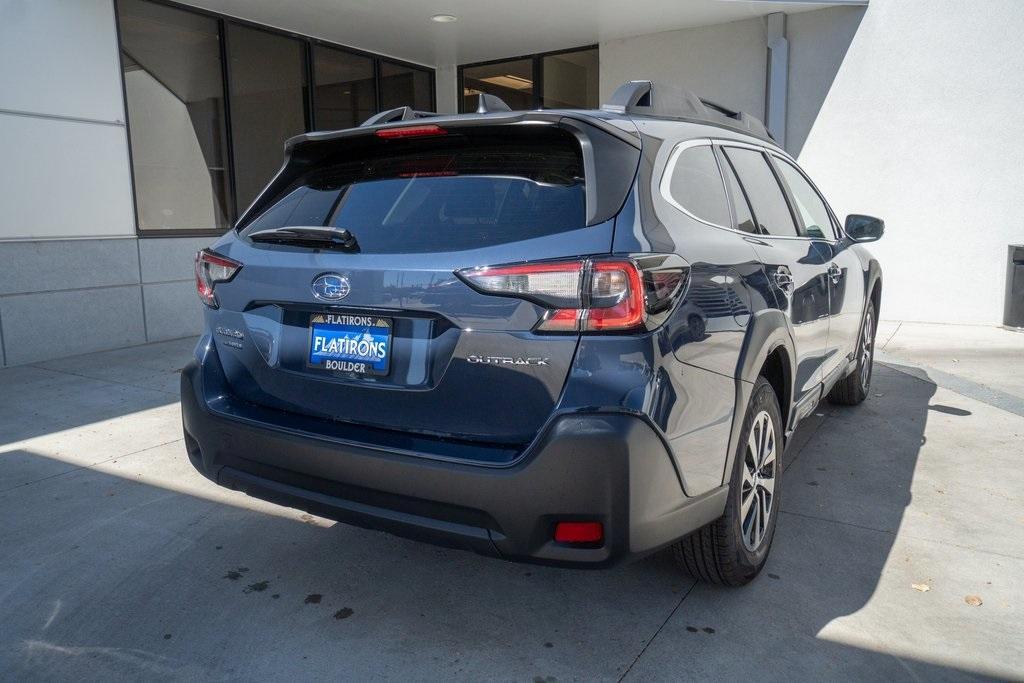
[{"x": 864, "y": 228}]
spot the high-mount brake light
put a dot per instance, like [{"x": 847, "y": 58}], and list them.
[
  {"x": 410, "y": 131},
  {"x": 211, "y": 268},
  {"x": 592, "y": 295}
]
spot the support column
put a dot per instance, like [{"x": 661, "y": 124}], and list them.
[{"x": 777, "y": 87}]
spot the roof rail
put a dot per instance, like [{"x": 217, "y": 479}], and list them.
[
  {"x": 666, "y": 99},
  {"x": 486, "y": 104},
  {"x": 397, "y": 114}
]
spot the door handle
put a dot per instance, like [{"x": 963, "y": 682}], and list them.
[
  {"x": 784, "y": 280},
  {"x": 835, "y": 273}
]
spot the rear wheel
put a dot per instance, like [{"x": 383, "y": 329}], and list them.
[
  {"x": 854, "y": 388},
  {"x": 733, "y": 549}
]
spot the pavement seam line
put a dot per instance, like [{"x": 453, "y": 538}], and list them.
[
  {"x": 89, "y": 466},
  {"x": 976, "y": 391},
  {"x": 106, "y": 381},
  {"x": 891, "y": 336},
  {"x": 657, "y": 632},
  {"x": 895, "y": 535}
]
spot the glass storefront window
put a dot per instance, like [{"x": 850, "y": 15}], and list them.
[
  {"x": 571, "y": 80},
  {"x": 345, "y": 91},
  {"x": 559, "y": 80},
  {"x": 268, "y": 104},
  {"x": 402, "y": 85},
  {"x": 175, "y": 100},
  {"x": 512, "y": 81}
]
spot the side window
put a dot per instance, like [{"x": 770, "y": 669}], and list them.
[
  {"x": 764, "y": 192},
  {"x": 744, "y": 218},
  {"x": 696, "y": 185},
  {"x": 809, "y": 204}
]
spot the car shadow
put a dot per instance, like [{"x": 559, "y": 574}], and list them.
[{"x": 141, "y": 568}]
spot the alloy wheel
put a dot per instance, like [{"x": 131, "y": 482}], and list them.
[{"x": 757, "y": 492}]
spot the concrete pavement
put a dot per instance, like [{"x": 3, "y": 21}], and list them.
[{"x": 118, "y": 560}]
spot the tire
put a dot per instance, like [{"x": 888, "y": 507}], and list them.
[
  {"x": 732, "y": 550},
  {"x": 854, "y": 388}
]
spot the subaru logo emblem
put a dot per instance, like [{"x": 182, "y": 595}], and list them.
[{"x": 331, "y": 287}]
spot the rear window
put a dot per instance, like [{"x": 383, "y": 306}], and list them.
[{"x": 446, "y": 193}]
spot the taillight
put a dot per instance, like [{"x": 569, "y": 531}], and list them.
[
  {"x": 212, "y": 268},
  {"x": 591, "y": 295}
]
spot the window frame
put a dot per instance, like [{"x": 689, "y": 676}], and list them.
[
  {"x": 310, "y": 104},
  {"x": 537, "y": 60},
  {"x": 665, "y": 184},
  {"x": 768, "y": 152},
  {"x": 775, "y": 158}
]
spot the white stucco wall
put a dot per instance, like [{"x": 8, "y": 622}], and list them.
[
  {"x": 65, "y": 161},
  {"x": 905, "y": 109},
  {"x": 920, "y": 126},
  {"x": 724, "y": 63}
]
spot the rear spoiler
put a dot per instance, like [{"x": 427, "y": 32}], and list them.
[{"x": 611, "y": 154}]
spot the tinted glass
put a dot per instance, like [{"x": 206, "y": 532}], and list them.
[
  {"x": 442, "y": 195},
  {"x": 512, "y": 81},
  {"x": 744, "y": 218},
  {"x": 810, "y": 206},
  {"x": 696, "y": 185},
  {"x": 571, "y": 80},
  {"x": 404, "y": 86},
  {"x": 345, "y": 91},
  {"x": 268, "y": 104},
  {"x": 175, "y": 97},
  {"x": 763, "y": 190}
]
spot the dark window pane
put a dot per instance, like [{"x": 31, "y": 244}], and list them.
[
  {"x": 763, "y": 190},
  {"x": 696, "y": 185},
  {"x": 268, "y": 104},
  {"x": 810, "y": 206},
  {"x": 345, "y": 92},
  {"x": 511, "y": 81},
  {"x": 438, "y": 195},
  {"x": 571, "y": 80},
  {"x": 404, "y": 86},
  {"x": 744, "y": 219},
  {"x": 175, "y": 97}
]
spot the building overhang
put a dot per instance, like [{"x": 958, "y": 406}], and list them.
[{"x": 494, "y": 29}]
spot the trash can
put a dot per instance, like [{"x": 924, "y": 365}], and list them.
[{"x": 1013, "y": 308}]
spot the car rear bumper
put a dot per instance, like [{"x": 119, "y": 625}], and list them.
[{"x": 611, "y": 468}]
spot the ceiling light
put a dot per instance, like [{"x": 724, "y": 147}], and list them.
[{"x": 444, "y": 18}]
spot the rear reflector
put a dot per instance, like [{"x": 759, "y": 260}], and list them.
[
  {"x": 579, "y": 532},
  {"x": 410, "y": 131}
]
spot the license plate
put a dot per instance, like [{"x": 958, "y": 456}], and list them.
[{"x": 354, "y": 344}]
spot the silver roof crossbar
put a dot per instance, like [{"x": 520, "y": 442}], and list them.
[{"x": 645, "y": 98}]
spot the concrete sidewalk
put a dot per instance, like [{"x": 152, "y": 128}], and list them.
[{"x": 118, "y": 560}]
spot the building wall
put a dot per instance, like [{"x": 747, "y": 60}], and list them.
[
  {"x": 73, "y": 277},
  {"x": 918, "y": 126},
  {"x": 724, "y": 63},
  {"x": 903, "y": 109}
]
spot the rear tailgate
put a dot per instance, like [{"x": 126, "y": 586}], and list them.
[{"x": 457, "y": 363}]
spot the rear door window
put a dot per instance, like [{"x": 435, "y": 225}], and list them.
[
  {"x": 763, "y": 190},
  {"x": 809, "y": 204},
  {"x": 695, "y": 185},
  {"x": 447, "y": 193},
  {"x": 741, "y": 207}
]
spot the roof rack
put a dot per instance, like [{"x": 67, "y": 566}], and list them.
[
  {"x": 397, "y": 114},
  {"x": 643, "y": 98}
]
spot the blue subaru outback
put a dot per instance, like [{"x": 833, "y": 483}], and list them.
[{"x": 565, "y": 337}]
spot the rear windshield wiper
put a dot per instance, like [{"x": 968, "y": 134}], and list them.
[{"x": 316, "y": 237}]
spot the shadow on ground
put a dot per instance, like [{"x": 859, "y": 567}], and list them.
[{"x": 137, "y": 567}]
